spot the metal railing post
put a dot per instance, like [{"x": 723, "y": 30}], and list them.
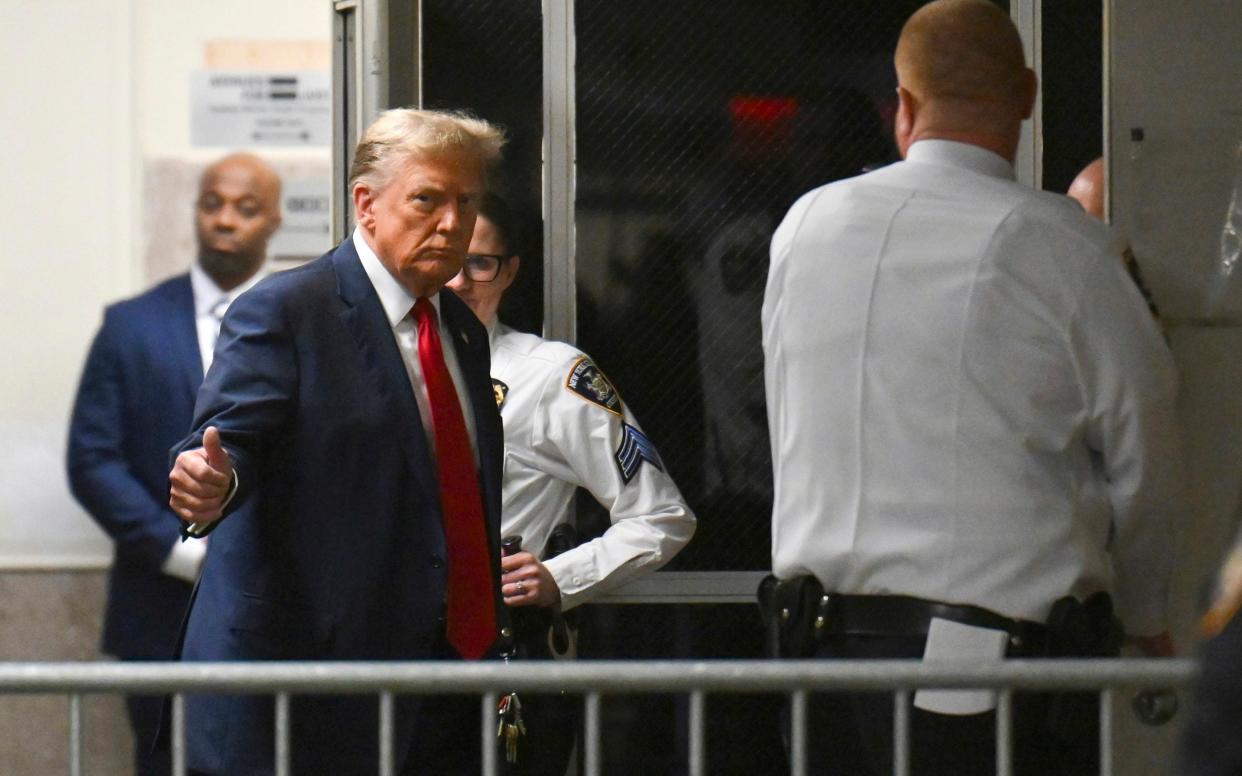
[
  {"x": 178, "y": 735},
  {"x": 75, "y": 734},
  {"x": 797, "y": 732},
  {"x": 592, "y": 748},
  {"x": 901, "y": 733},
  {"x": 487, "y": 733},
  {"x": 1106, "y": 732},
  {"x": 385, "y": 733},
  {"x": 697, "y": 749},
  {"x": 282, "y": 734},
  {"x": 1004, "y": 733}
]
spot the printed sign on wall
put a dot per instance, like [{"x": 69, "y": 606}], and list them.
[
  {"x": 236, "y": 108},
  {"x": 305, "y": 230}
]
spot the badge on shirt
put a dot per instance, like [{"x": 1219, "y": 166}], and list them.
[
  {"x": 635, "y": 448},
  {"x": 587, "y": 381},
  {"x": 501, "y": 391}
]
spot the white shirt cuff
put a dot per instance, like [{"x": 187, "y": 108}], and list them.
[{"x": 185, "y": 560}]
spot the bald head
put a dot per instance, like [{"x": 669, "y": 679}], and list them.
[
  {"x": 1088, "y": 189},
  {"x": 237, "y": 212},
  {"x": 248, "y": 169},
  {"x": 962, "y": 74}
]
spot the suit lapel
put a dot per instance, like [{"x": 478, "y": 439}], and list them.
[
  {"x": 368, "y": 325},
  {"x": 183, "y": 332}
]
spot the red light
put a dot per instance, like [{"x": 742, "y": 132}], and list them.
[
  {"x": 763, "y": 110},
  {"x": 762, "y": 126}
]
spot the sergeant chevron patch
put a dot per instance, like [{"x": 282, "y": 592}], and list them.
[
  {"x": 587, "y": 381},
  {"x": 635, "y": 448}
]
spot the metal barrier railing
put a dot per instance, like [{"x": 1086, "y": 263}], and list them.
[{"x": 593, "y": 679}]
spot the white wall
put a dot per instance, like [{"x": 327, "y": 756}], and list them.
[
  {"x": 96, "y": 95},
  {"x": 1175, "y": 76},
  {"x": 67, "y": 206}
]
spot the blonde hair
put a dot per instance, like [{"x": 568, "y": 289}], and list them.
[{"x": 402, "y": 134}]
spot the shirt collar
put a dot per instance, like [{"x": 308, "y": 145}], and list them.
[
  {"x": 951, "y": 153},
  {"x": 207, "y": 294},
  {"x": 396, "y": 301},
  {"x": 495, "y": 330}
]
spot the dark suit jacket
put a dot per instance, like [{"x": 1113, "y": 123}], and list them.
[
  {"x": 136, "y": 398},
  {"x": 337, "y": 549}
]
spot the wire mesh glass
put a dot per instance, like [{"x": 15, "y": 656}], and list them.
[
  {"x": 1072, "y": 87},
  {"x": 486, "y": 57}
]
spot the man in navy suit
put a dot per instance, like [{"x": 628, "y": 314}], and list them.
[
  {"x": 136, "y": 399},
  {"x": 346, "y": 459}
]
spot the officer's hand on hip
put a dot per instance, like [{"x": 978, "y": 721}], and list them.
[
  {"x": 1160, "y": 645},
  {"x": 527, "y": 582}
]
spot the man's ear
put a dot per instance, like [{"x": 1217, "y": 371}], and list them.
[
  {"x": 364, "y": 203},
  {"x": 903, "y": 124},
  {"x": 1032, "y": 90},
  {"x": 273, "y": 223}
]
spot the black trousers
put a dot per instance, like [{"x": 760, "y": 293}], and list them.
[
  {"x": 851, "y": 734},
  {"x": 447, "y": 741},
  {"x": 144, "y": 720}
]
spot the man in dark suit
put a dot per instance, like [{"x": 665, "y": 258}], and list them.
[
  {"x": 346, "y": 459},
  {"x": 136, "y": 399}
]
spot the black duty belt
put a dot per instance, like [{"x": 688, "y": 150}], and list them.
[{"x": 899, "y": 615}]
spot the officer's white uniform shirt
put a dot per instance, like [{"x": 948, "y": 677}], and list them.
[
  {"x": 566, "y": 427},
  {"x": 968, "y": 399}
]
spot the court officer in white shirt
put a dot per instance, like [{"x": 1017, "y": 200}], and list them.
[
  {"x": 971, "y": 416},
  {"x": 565, "y": 427}
]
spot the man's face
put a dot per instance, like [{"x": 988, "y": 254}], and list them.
[
  {"x": 236, "y": 214},
  {"x": 420, "y": 224}
]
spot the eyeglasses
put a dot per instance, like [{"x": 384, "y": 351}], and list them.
[{"x": 482, "y": 267}]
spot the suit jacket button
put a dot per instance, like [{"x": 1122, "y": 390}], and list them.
[{"x": 437, "y": 562}]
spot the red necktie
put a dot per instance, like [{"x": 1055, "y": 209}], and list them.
[{"x": 471, "y": 611}]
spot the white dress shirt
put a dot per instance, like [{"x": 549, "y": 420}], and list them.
[
  {"x": 185, "y": 559},
  {"x": 968, "y": 399},
  {"x": 398, "y": 304},
  {"x": 558, "y": 439},
  {"x": 210, "y": 304}
]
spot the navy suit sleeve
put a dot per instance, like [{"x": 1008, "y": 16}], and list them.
[
  {"x": 250, "y": 391},
  {"x": 102, "y": 479}
]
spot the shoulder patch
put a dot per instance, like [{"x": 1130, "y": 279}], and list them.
[
  {"x": 586, "y": 380},
  {"x": 635, "y": 448},
  {"x": 501, "y": 391}
]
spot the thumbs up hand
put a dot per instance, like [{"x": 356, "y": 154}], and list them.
[
  {"x": 213, "y": 451},
  {"x": 200, "y": 480}
]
